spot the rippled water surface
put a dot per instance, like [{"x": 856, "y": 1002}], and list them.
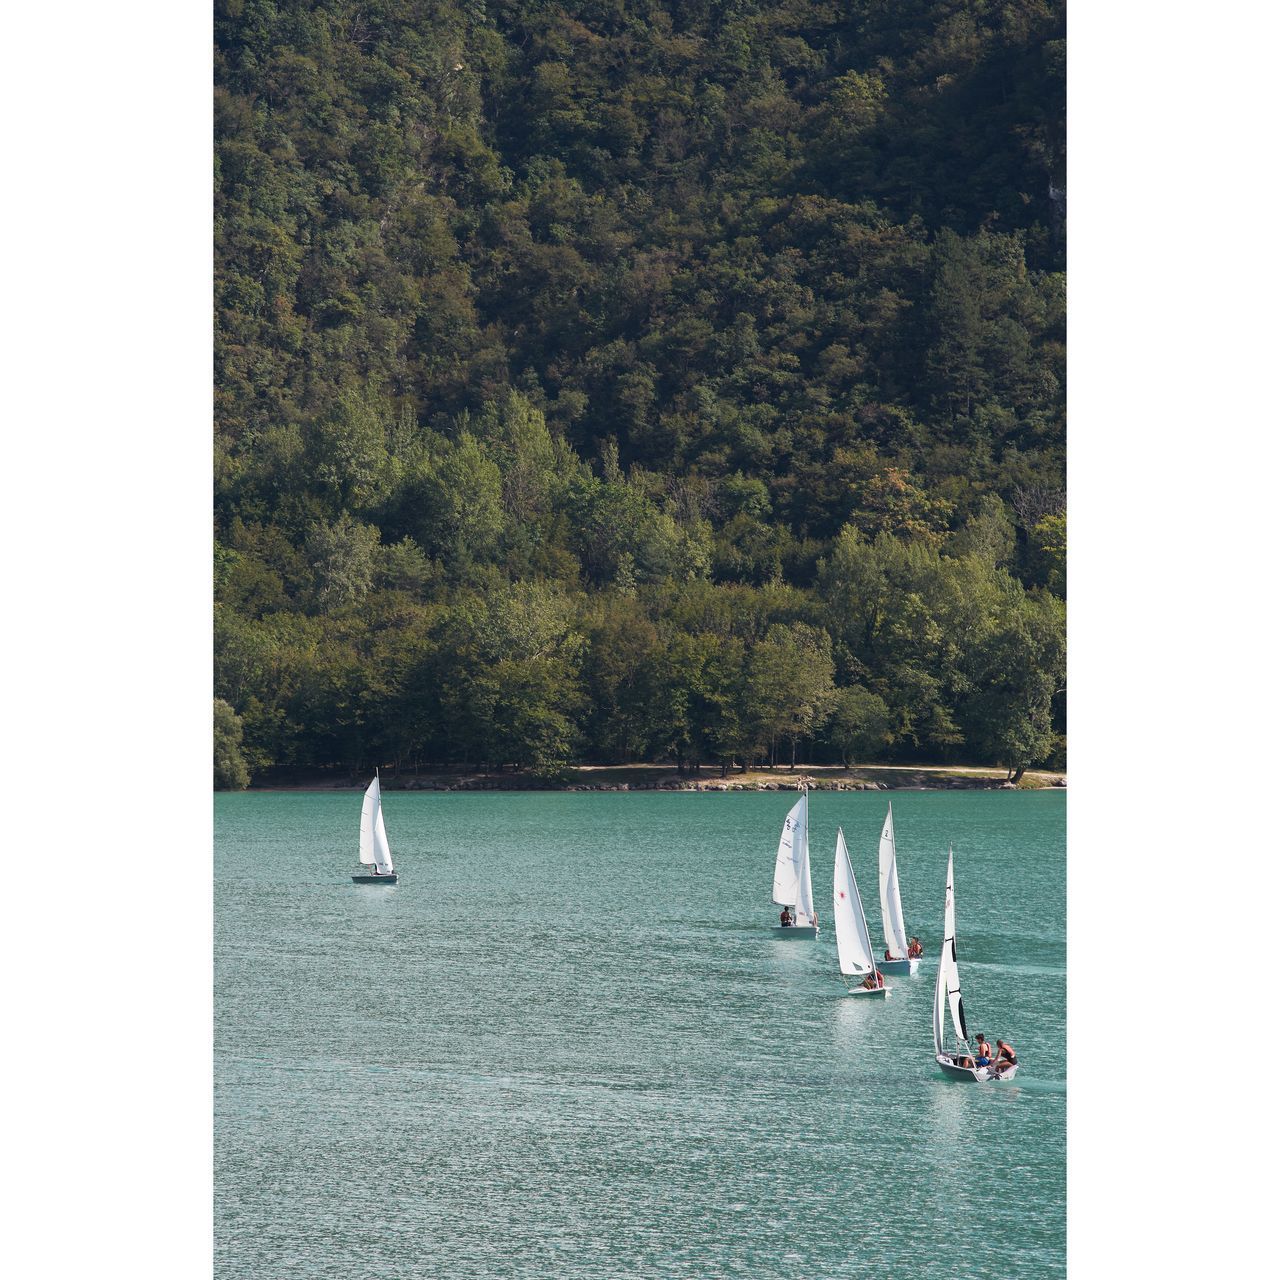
[{"x": 567, "y": 1043}]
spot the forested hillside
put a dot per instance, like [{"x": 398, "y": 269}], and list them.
[{"x": 639, "y": 381}]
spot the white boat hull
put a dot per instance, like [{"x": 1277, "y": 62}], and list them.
[
  {"x": 873, "y": 993},
  {"x": 975, "y": 1075},
  {"x": 899, "y": 966},
  {"x": 795, "y": 931}
]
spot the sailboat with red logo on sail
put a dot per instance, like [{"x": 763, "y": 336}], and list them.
[{"x": 853, "y": 941}]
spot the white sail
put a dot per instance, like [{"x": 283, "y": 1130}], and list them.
[
  {"x": 948, "y": 964},
  {"x": 381, "y": 848},
  {"x": 895, "y": 931},
  {"x": 853, "y": 942},
  {"x": 805, "y": 914},
  {"x": 375, "y": 851},
  {"x": 794, "y": 841},
  {"x": 372, "y": 803},
  {"x": 939, "y": 1004}
]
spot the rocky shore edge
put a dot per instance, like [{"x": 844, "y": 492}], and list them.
[{"x": 596, "y": 778}]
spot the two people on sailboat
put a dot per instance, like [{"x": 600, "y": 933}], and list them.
[
  {"x": 873, "y": 981},
  {"x": 1004, "y": 1055},
  {"x": 914, "y": 951}
]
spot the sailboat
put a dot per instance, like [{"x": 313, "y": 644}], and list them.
[
  {"x": 899, "y": 959},
  {"x": 946, "y": 992},
  {"x": 375, "y": 852},
  {"x": 792, "y": 887},
  {"x": 853, "y": 942}
]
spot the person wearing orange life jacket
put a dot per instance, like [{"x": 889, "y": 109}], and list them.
[
  {"x": 914, "y": 949},
  {"x": 1005, "y": 1056},
  {"x": 787, "y": 918}
]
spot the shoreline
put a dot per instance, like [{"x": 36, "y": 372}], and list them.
[{"x": 658, "y": 777}]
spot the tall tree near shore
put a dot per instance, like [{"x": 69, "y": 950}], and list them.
[
  {"x": 860, "y": 726},
  {"x": 1017, "y": 671},
  {"x": 791, "y": 685},
  {"x": 230, "y": 772}
]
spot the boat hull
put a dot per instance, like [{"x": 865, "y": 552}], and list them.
[
  {"x": 874, "y": 993},
  {"x": 974, "y": 1075},
  {"x": 387, "y": 879},
  {"x": 899, "y": 966},
  {"x": 795, "y": 931}
]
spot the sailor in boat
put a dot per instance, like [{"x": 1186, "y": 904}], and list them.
[
  {"x": 1005, "y": 1056},
  {"x": 914, "y": 950},
  {"x": 984, "y": 1051},
  {"x": 787, "y": 918},
  {"x": 873, "y": 981}
]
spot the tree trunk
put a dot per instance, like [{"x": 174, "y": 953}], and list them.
[
  {"x": 793, "y": 755},
  {"x": 1017, "y": 777}
]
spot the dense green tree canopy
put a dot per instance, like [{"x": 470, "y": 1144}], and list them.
[{"x": 669, "y": 379}]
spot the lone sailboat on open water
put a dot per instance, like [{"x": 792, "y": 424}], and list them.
[{"x": 375, "y": 852}]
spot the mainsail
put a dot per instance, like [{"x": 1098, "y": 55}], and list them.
[
  {"x": 805, "y": 914},
  {"x": 939, "y": 1005},
  {"x": 853, "y": 942},
  {"x": 895, "y": 931},
  {"x": 374, "y": 849},
  {"x": 948, "y": 965},
  {"x": 791, "y": 884}
]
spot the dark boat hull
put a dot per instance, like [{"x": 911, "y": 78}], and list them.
[{"x": 389, "y": 879}]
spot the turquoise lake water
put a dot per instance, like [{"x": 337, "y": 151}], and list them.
[{"x": 567, "y": 1043}]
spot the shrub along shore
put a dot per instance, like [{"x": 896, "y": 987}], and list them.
[{"x": 646, "y": 777}]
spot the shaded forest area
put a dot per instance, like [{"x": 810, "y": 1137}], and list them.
[{"x": 639, "y": 381}]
